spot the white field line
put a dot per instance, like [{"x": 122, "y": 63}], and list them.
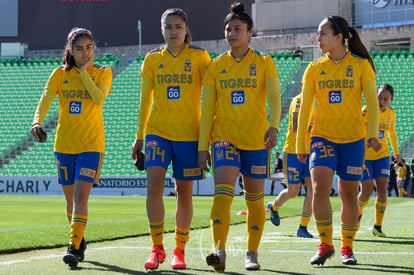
[{"x": 112, "y": 248}]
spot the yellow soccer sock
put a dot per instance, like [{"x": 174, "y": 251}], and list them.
[
  {"x": 156, "y": 230},
  {"x": 400, "y": 191},
  {"x": 275, "y": 207},
  {"x": 255, "y": 219},
  {"x": 325, "y": 231},
  {"x": 379, "y": 212},
  {"x": 220, "y": 214},
  {"x": 305, "y": 219},
  {"x": 77, "y": 226},
  {"x": 182, "y": 235},
  {"x": 362, "y": 205},
  {"x": 348, "y": 232},
  {"x": 69, "y": 215}
]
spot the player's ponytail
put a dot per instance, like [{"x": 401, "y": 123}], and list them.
[
  {"x": 355, "y": 45},
  {"x": 179, "y": 12},
  {"x": 237, "y": 11},
  {"x": 75, "y": 34}
]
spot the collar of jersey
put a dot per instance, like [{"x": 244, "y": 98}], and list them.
[
  {"x": 339, "y": 61},
  {"x": 240, "y": 59},
  {"x": 78, "y": 70},
  {"x": 175, "y": 56}
]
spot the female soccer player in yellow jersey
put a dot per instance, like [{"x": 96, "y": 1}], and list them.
[
  {"x": 295, "y": 172},
  {"x": 336, "y": 81},
  {"x": 234, "y": 117},
  {"x": 377, "y": 163},
  {"x": 171, "y": 79},
  {"x": 81, "y": 87}
]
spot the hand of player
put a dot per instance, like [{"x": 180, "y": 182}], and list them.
[
  {"x": 397, "y": 159},
  {"x": 302, "y": 158},
  {"x": 204, "y": 160},
  {"x": 88, "y": 64},
  {"x": 34, "y": 130},
  {"x": 373, "y": 142},
  {"x": 136, "y": 146},
  {"x": 270, "y": 138}
]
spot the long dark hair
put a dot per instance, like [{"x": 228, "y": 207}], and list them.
[
  {"x": 188, "y": 38},
  {"x": 74, "y": 35},
  {"x": 355, "y": 45},
  {"x": 237, "y": 11}
]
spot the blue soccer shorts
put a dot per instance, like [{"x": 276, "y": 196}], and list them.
[
  {"x": 84, "y": 166},
  {"x": 295, "y": 171},
  {"x": 183, "y": 155},
  {"x": 379, "y": 168},
  {"x": 252, "y": 163},
  {"x": 346, "y": 159}
]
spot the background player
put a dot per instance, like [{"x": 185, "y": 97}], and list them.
[
  {"x": 80, "y": 140},
  {"x": 295, "y": 172},
  {"x": 234, "y": 116},
  {"x": 337, "y": 81},
  {"x": 171, "y": 79},
  {"x": 377, "y": 163}
]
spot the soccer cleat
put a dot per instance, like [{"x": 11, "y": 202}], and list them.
[
  {"x": 303, "y": 232},
  {"x": 177, "y": 260},
  {"x": 82, "y": 248},
  {"x": 71, "y": 257},
  {"x": 251, "y": 261},
  {"x": 347, "y": 256},
  {"x": 377, "y": 231},
  {"x": 274, "y": 215},
  {"x": 156, "y": 258},
  {"x": 217, "y": 260},
  {"x": 324, "y": 252}
]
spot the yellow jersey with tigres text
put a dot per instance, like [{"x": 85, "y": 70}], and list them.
[
  {"x": 337, "y": 88},
  {"x": 290, "y": 141},
  {"x": 386, "y": 128},
  {"x": 175, "y": 93},
  {"x": 80, "y": 126},
  {"x": 240, "y": 85}
]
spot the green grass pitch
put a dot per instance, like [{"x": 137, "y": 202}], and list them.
[{"x": 34, "y": 233}]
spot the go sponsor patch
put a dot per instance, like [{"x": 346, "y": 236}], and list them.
[
  {"x": 75, "y": 107},
  {"x": 238, "y": 98},
  {"x": 173, "y": 92},
  {"x": 381, "y": 134},
  {"x": 335, "y": 97}
]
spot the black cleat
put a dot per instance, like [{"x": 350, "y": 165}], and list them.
[
  {"x": 82, "y": 248},
  {"x": 71, "y": 257},
  {"x": 217, "y": 260}
]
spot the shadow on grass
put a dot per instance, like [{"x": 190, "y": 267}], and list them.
[
  {"x": 389, "y": 240},
  {"x": 101, "y": 267}
]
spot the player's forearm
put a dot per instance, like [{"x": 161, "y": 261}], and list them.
[
  {"x": 371, "y": 97},
  {"x": 43, "y": 106},
  {"x": 144, "y": 107},
  {"x": 273, "y": 97},
  {"x": 98, "y": 92},
  {"x": 304, "y": 118},
  {"x": 207, "y": 117}
]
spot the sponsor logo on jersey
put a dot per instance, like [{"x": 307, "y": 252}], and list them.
[
  {"x": 90, "y": 173},
  {"x": 187, "y": 66},
  {"x": 252, "y": 70},
  {"x": 238, "y": 83},
  {"x": 335, "y": 97},
  {"x": 381, "y": 134},
  {"x": 65, "y": 81},
  {"x": 221, "y": 144},
  {"x": 349, "y": 71},
  {"x": 174, "y": 78},
  {"x": 258, "y": 170},
  {"x": 161, "y": 66},
  {"x": 192, "y": 172},
  {"x": 151, "y": 143},
  {"x": 173, "y": 92},
  {"x": 75, "y": 107},
  {"x": 351, "y": 170},
  {"x": 223, "y": 71},
  {"x": 323, "y": 73},
  {"x": 336, "y": 84},
  {"x": 238, "y": 98}
]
